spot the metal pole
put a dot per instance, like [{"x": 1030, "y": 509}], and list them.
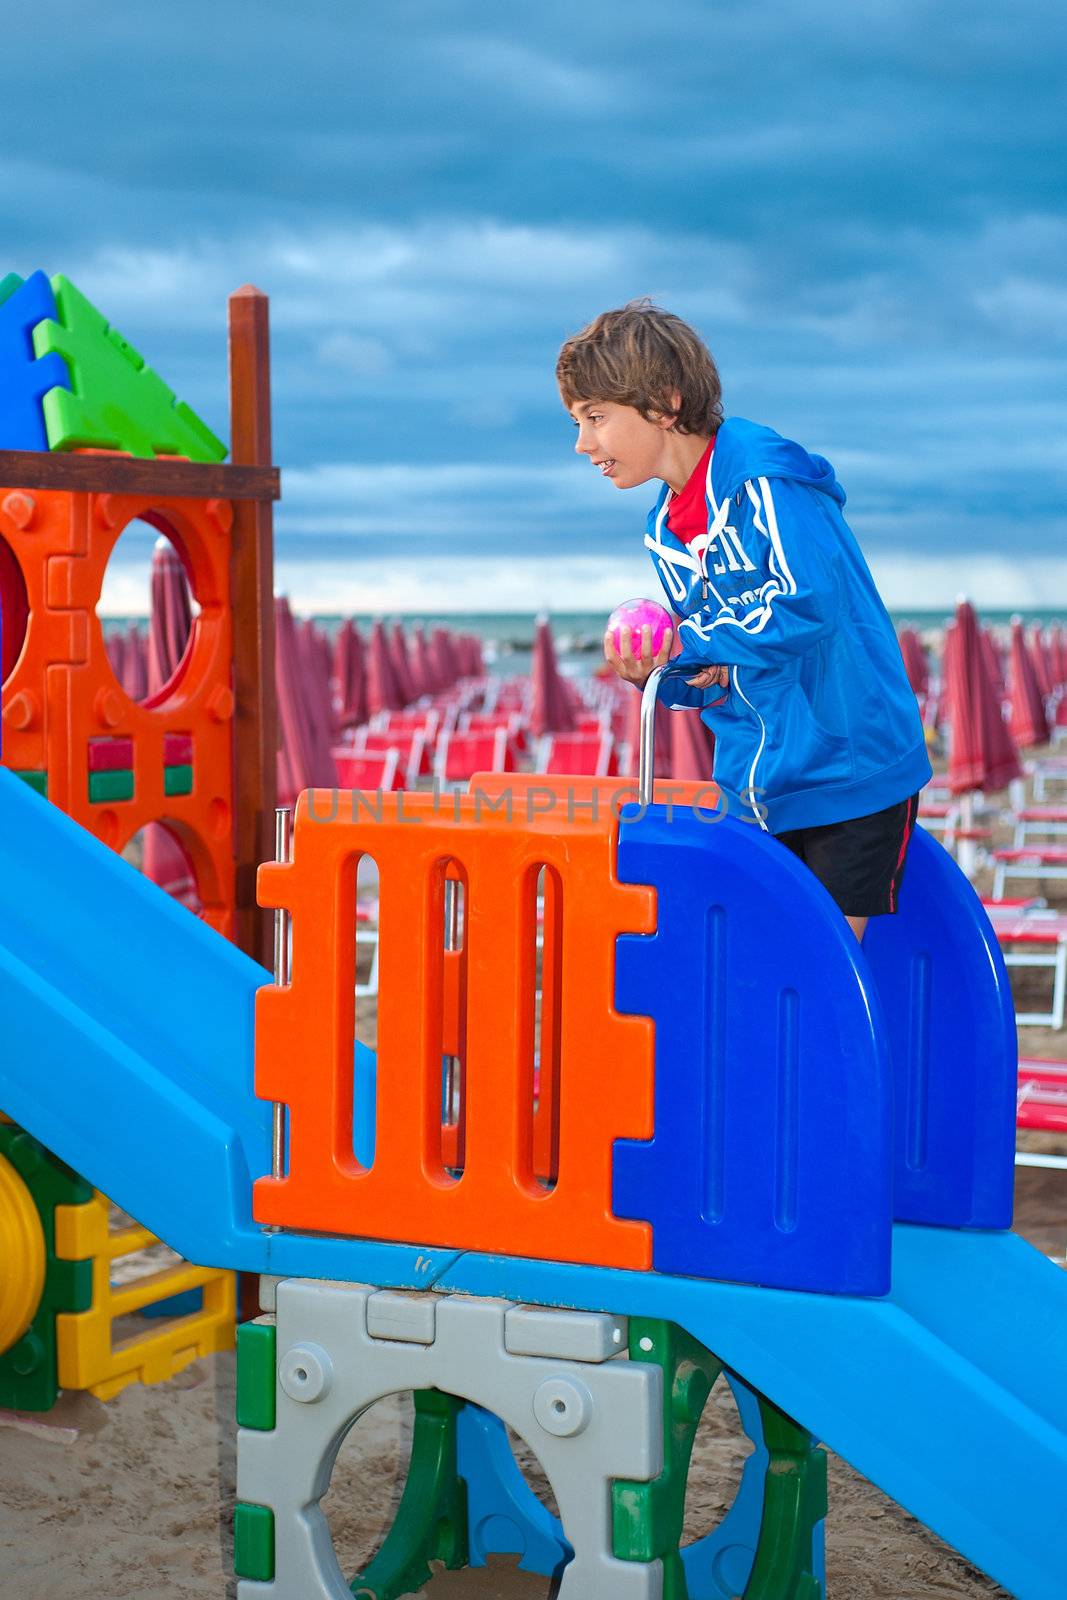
[
  {"x": 282, "y": 852},
  {"x": 646, "y": 753}
]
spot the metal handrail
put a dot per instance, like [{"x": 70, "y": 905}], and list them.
[{"x": 647, "y": 742}]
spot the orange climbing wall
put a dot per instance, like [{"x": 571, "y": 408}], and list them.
[
  {"x": 304, "y": 1032},
  {"x": 62, "y": 691}
]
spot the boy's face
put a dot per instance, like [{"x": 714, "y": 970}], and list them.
[{"x": 625, "y": 446}]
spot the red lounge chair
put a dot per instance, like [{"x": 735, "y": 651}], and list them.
[
  {"x": 379, "y": 769},
  {"x": 460, "y": 755}
]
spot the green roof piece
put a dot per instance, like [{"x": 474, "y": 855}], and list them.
[{"x": 116, "y": 401}]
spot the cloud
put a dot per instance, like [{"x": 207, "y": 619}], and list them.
[{"x": 861, "y": 209}]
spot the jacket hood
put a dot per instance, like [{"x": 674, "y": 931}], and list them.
[{"x": 746, "y": 450}]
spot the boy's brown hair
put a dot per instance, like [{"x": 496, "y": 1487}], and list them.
[{"x": 642, "y": 356}]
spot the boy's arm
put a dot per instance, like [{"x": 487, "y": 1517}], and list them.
[{"x": 782, "y": 532}]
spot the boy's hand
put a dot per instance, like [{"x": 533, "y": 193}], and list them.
[
  {"x": 711, "y": 678},
  {"x": 636, "y": 668}
]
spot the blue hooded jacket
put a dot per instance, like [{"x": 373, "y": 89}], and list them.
[{"x": 819, "y": 723}]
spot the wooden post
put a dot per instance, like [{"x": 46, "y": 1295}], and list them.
[{"x": 252, "y": 586}]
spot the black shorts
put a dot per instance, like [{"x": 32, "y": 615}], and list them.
[{"x": 859, "y": 862}]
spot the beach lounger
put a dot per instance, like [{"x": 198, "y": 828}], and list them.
[
  {"x": 1034, "y": 936},
  {"x": 1042, "y": 821},
  {"x": 1030, "y": 861}
]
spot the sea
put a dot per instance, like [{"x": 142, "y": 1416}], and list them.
[{"x": 507, "y": 636}]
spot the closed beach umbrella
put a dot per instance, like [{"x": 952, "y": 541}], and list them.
[
  {"x": 349, "y": 677},
  {"x": 401, "y": 664},
  {"x": 135, "y": 664},
  {"x": 171, "y": 621},
  {"x": 994, "y": 666},
  {"x": 553, "y": 707},
  {"x": 116, "y": 654},
  {"x": 15, "y": 608},
  {"x": 302, "y": 766},
  {"x": 1029, "y": 725},
  {"x": 445, "y": 657},
  {"x": 423, "y": 661},
  {"x": 1042, "y": 668},
  {"x": 340, "y": 667},
  {"x": 982, "y": 753},
  {"x": 914, "y": 657},
  {"x": 163, "y": 859},
  {"x": 321, "y": 730},
  {"x": 1057, "y": 656},
  {"x": 383, "y": 691}
]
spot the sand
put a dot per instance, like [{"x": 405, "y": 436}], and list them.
[{"x": 134, "y": 1498}]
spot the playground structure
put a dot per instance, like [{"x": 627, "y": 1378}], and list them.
[
  {"x": 700, "y": 1135},
  {"x": 114, "y": 765}
]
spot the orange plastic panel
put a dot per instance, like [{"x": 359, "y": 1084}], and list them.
[
  {"x": 304, "y": 1032},
  {"x": 62, "y": 692}
]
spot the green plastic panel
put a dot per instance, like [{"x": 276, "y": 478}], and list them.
[
  {"x": 177, "y": 780},
  {"x": 647, "y": 1517},
  {"x": 253, "y": 1542},
  {"x": 116, "y": 785},
  {"x": 257, "y": 1345},
  {"x": 28, "y": 1371},
  {"x": 36, "y": 780}
]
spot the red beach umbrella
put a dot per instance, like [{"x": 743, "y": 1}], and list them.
[
  {"x": 317, "y": 704},
  {"x": 383, "y": 691},
  {"x": 349, "y": 676},
  {"x": 135, "y": 664},
  {"x": 1042, "y": 666},
  {"x": 171, "y": 621},
  {"x": 116, "y": 654},
  {"x": 163, "y": 858},
  {"x": 991, "y": 659},
  {"x": 982, "y": 753},
  {"x": 445, "y": 657},
  {"x": 401, "y": 664},
  {"x": 423, "y": 662},
  {"x": 553, "y": 708},
  {"x": 306, "y": 761},
  {"x": 15, "y": 608},
  {"x": 1057, "y": 656},
  {"x": 914, "y": 658},
  {"x": 1029, "y": 725}
]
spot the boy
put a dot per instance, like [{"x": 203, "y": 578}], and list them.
[{"x": 795, "y": 663}]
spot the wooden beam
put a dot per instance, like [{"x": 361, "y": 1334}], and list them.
[
  {"x": 163, "y": 478},
  {"x": 252, "y": 590}
]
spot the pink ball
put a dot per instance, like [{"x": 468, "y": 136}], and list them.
[{"x": 638, "y": 614}]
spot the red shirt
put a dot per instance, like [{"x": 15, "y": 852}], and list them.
[{"x": 687, "y": 514}]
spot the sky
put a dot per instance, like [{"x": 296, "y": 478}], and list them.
[{"x": 859, "y": 203}]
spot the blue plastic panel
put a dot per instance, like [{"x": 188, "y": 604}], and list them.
[
  {"x": 770, "y": 1161},
  {"x": 948, "y": 1009},
  {"x": 25, "y": 378}
]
